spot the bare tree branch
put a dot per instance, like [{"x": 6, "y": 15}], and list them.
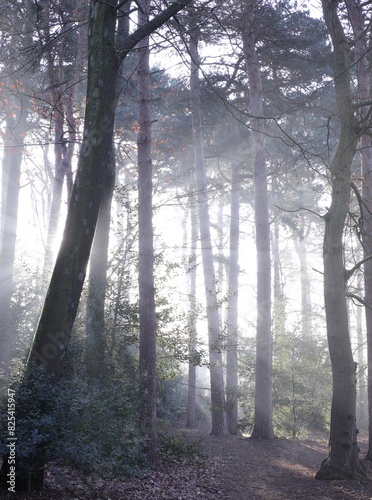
[
  {"x": 350, "y": 272},
  {"x": 149, "y": 28},
  {"x": 299, "y": 210},
  {"x": 354, "y": 296}
]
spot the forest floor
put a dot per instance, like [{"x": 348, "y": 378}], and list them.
[{"x": 234, "y": 468}]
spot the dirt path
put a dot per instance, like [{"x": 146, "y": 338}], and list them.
[
  {"x": 235, "y": 469},
  {"x": 278, "y": 470}
]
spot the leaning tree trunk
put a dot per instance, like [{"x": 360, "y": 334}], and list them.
[
  {"x": 65, "y": 287},
  {"x": 262, "y": 428},
  {"x": 61, "y": 302},
  {"x": 95, "y": 326},
  {"x": 343, "y": 460},
  {"x": 219, "y": 423}
]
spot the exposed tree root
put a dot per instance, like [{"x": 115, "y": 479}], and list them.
[{"x": 328, "y": 472}]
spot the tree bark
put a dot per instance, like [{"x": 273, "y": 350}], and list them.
[
  {"x": 219, "y": 423},
  {"x": 65, "y": 287},
  {"x": 343, "y": 460},
  {"x": 262, "y": 428},
  {"x": 95, "y": 328}
]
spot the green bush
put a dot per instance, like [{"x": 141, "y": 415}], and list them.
[
  {"x": 92, "y": 427},
  {"x": 174, "y": 447},
  {"x": 97, "y": 428}
]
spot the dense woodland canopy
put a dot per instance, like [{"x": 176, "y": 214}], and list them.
[{"x": 186, "y": 229}]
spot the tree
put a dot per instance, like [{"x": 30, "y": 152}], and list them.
[
  {"x": 219, "y": 423},
  {"x": 263, "y": 400},
  {"x": 147, "y": 362},
  {"x": 60, "y": 307},
  {"x": 232, "y": 318},
  {"x": 343, "y": 460},
  {"x": 97, "y": 281},
  {"x": 95, "y": 305}
]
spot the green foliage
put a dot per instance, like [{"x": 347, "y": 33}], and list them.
[
  {"x": 172, "y": 398},
  {"x": 25, "y": 308},
  {"x": 246, "y": 384},
  {"x": 301, "y": 385},
  {"x": 96, "y": 428},
  {"x": 246, "y": 422},
  {"x": 90, "y": 426},
  {"x": 34, "y": 422},
  {"x": 176, "y": 447}
]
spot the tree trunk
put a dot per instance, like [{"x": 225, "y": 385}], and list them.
[
  {"x": 146, "y": 247},
  {"x": 60, "y": 306},
  {"x": 219, "y": 423},
  {"x": 232, "y": 314},
  {"x": 95, "y": 328},
  {"x": 343, "y": 461},
  {"x": 263, "y": 382},
  {"x": 65, "y": 287}
]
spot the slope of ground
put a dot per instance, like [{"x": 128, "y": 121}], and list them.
[
  {"x": 235, "y": 468},
  {"x": 278, "y": 470}
]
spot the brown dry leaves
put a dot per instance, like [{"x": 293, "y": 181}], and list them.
[
  {"x": 236, "y": 469},
  {"x": 174, "y": 482}
]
